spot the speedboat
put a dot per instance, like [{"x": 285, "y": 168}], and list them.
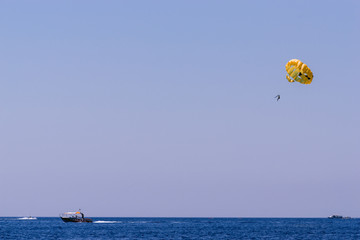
[
  {"x": 75, "y": 217},
  {"x": 336, "y": 216},
  {"x": 28, "y": 218}
]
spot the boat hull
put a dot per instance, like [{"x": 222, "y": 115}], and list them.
[{"x": 88, "y": 220}]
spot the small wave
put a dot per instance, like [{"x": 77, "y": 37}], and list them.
[{"x": 106, "y": 222}]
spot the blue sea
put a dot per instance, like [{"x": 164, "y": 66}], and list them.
[{"x": 181, "y": 228}]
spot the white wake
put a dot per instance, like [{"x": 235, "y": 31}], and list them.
[{"x": 106, "y": 222}]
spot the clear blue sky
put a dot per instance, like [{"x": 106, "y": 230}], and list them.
[{"x": 166, "y": 108}]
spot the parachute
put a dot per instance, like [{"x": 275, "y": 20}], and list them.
[{"x": 299, "y": 72}]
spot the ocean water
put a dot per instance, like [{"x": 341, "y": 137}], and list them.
[{"x": 181, "y": 228}]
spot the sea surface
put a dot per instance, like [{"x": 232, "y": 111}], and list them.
[{"x": 181, "y": 228}]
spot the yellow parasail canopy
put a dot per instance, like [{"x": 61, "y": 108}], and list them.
[{"x": 299, "y": 72}]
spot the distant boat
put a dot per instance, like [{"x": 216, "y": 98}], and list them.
[
  {"x": 336, "y": 217},
  {"x": 74, "y": 217},
  {"x": 28, "y": 218}
]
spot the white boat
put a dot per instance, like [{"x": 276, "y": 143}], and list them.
[{"x": 28, "y": 218}]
